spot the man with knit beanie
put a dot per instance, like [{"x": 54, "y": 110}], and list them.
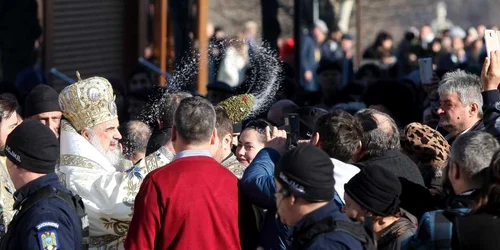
[
  {"x": 304, "y": 198},
  {"x": 374, "y": 192},
  {"x": 45, "y": 219},
  {"x": 42, "y": 104}
]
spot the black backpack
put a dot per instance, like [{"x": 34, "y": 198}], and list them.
[
  {"x": 74, "y": 201},
  {"x": 361, "y": 232}
]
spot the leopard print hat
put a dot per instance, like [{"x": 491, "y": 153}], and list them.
[{"x": 427, "y": 144}]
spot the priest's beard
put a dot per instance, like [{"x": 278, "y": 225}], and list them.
[{"x": 114, "y": 156}]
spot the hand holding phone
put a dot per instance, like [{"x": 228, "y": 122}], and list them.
[
  {"x": 492, "y": 41},
  {"x": 292, "y": 123},
  {"x": 276, "y": 139},
  {"x": 490, "y": 74}
]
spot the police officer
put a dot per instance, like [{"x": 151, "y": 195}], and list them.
[{"x": 45, "y": 217}]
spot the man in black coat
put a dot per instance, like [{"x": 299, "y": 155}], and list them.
[{"x": 381, "y": 148}]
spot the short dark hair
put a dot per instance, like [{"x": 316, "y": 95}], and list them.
[
  {"x": 377, "y": 140},
  {"x": 223, "y": 123},
  {"x": 168, "y": 106},
  {"x": 259, "y": 125},
  {"x": 195, "y": 120},
  {"x": 340, "y": 134},
  {"x": 136, "y": 135},
  {"x": 8, "y": 105}
]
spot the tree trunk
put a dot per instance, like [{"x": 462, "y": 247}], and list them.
[{"x": 345, "y": 14}]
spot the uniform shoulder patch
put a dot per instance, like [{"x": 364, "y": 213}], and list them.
[
  {"x": 48, "y": 240},
  {"x": 47, "y": 224}
]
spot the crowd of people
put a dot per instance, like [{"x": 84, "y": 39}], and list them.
[{"x": 379, "y": 159}]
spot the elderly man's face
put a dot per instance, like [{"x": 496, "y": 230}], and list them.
[
  {"x": 108, "y": 134},
  {"x": 50, "y": 119}
]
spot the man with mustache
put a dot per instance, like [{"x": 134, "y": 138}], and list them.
[{"x": 92, "y": 164}]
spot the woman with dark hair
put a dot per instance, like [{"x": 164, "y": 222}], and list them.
[
  {"x": 382, "y": 48},
  {"x": 251, "y": 141}
]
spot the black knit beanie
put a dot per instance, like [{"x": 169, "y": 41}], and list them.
[
  {"x": 375, "y": 189},
  {"x": 41, "y": 99},
  {"x": 33, "y": 146},
  {"x": 307, "y": 172}
]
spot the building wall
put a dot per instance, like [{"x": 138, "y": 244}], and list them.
[{"x": 394, "y": 16}]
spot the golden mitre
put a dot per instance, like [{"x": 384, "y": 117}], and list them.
[{"x": 88, "y": 103}]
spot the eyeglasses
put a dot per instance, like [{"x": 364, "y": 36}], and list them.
[{"x": 284, "y": 192}]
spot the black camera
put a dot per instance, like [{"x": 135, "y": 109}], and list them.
[{"x": 292, "y": 128}]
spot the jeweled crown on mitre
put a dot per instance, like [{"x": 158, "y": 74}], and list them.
[{"x": 88, "y": 103}]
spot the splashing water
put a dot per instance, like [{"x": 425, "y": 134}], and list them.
[
  {"x": 182, "y": 76},
  {"x": 264, "y": 78}
]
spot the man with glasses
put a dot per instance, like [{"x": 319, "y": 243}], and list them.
[{"x": 304, "y": 200}]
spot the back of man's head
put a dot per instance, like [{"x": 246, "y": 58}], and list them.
[
  {"x": 473, "y": 152},
  {"x": 195, "y": 120},
  {"x": 169, "y": 104},
  {"x": 223, "y": 123},
  {"x": 340, "y": 134},
  {"x": 380, "y": 132},
  {"x": 136, "y": 136},
  {"x": 306, "y": 172}
]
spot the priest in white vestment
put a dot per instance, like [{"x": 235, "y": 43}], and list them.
[{"x": 92, "y": 165}]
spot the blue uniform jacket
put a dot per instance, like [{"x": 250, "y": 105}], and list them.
[
  {"x": 334, "y": 240},
  {"x": 258, "y": 185},
  {"x": 49, "y": 224}
]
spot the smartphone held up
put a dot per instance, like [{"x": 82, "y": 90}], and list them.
[
  {"x": 425, "y": 68},
  {"x": 292, "y": 123},
  {"x": 492, "y": 41}
]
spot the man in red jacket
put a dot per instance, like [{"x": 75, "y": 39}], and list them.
[{"x": 191, "y": 203}]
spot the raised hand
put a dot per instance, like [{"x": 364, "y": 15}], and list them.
[
  {"x": 490, "y": 75},
  {"x": 277, "y": 140}
]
